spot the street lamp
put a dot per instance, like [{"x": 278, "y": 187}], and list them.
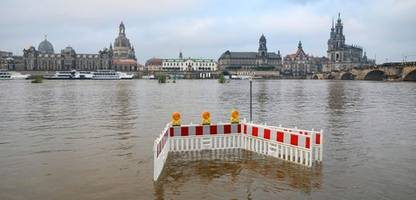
[{"x": 251, "y": 99}]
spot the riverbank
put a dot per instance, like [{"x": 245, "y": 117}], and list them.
[{"x": 373, "y": 74}]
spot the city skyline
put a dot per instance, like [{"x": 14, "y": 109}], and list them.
[{"x": 204, "y": 29}]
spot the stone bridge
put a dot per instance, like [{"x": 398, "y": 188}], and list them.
[{"x": 387, "y": 71}]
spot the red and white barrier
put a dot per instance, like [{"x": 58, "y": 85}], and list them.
[{"x": 298, "y": 146}]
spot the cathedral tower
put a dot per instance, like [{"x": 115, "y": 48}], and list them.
[{"x": 262, "y": 54}]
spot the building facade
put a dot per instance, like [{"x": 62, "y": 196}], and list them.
[
  {"x": 5, "y": 59},
  {"x": 67, "y": 59},
  {"x": 342, "y": 56},
  {"x": 124, "y": 57},
  {"x": 300, "y": 64},
  {"x": 188, "y": 64},
  {"x": 260, "y": 60},
  {"x": 44, "y": 58},
  {"x": 154, "y": 64}
]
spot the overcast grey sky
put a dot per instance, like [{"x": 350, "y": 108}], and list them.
[{"x": 206, "y": 28}]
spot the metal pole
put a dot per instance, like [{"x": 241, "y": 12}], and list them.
[{"x": 251, "y": 101}]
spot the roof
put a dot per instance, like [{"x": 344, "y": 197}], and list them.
[
  {"x": 186, "y": 59},
  {"x": 154, "y": 61},
  {"x": 252, "y": 55},
  {"x": 124, "y": 62},
  {"x": 299, "y": 54},
  {"x": 45, "y": 47}
]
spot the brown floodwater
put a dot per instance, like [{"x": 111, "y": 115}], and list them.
[{"x": 93, "y": 140}]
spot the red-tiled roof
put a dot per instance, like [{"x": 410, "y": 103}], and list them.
[
  {"x": 124, "y": 62},
  {"x": 154, "y": 61}
]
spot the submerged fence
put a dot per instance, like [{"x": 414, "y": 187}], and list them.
[{"x": 298, "y": 146}]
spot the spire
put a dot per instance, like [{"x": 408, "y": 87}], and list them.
[
  {"x": 262, "y": 45},
  {"x": 339, "y": 17},
  {"x": 122, "y": 29},
  {"x": 180, "y": 54},
  {"x": 262, "y": 38},
  {"x": 339, "y": 26},
  {"x": 332, "y": 28}
]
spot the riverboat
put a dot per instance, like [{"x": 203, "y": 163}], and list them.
[{"x": 7, "y": 75}]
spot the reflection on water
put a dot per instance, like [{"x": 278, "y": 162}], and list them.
[
  {"x": 94, "y": 140},
  {"x": 184, "y": 173}
]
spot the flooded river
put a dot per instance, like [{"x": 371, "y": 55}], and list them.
[{"x": 93, "y": 140}]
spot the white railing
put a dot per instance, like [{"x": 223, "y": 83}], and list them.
[
  {"x": 161, "y": 148},
  {"x": 298, "y": 146}
]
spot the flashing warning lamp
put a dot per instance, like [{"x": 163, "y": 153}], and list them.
[
  {"x": 176, "y": 119},
  {"x": 235, "y": 117},
  {"x": 206, "y": 118}
]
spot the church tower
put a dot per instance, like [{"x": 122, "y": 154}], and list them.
[
  {"x": 336, "y": 42},
  {"x": 262, "y": 46},
  {"x": 180, "y": 54},
  {"x": 339, "y": 35},
  {"x": 124, "y": 56},
  {"x": 122, "y": 47},
  {"x": 122, "y": 30},
  {"x": 262, "y": 54}
]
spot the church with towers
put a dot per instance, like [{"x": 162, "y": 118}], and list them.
[
  {"x": 342, "y": 56},
  {"x": 260, "y": 60},
  {"x": 339, "y": 56},
  {"x": 120, "y": 58},
  {"x": 124, "y": 56}
]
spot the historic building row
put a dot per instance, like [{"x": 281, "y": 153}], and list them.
[
  {"x": 260, "y": 60},
  {"x": 340, "y": 56},
  {"x": 121, "y": 58},
  {"x": 181, "y": 64}
]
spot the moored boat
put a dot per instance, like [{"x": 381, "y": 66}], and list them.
[
  {"x": 8, "y": 75},
  {"x": 73, "y": 74},
  {"x": 110, "y": 75}
]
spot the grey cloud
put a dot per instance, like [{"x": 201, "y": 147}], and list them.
[{"x": 207, "y": 28}]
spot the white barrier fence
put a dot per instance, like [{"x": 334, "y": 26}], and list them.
[{"x": 297, "y": 146}]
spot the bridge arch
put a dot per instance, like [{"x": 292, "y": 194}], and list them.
[
  {"x": 347, "y": 76},
  {"x": 375, "y": 75},
  {"x": 411, "y": 76}
]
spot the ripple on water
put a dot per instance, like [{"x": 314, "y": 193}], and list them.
[
  {"x": 52, "y": 151},
  {"x": 97, "y": 138}
]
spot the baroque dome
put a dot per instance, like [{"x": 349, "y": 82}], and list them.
[
  {"x": 122, "y": 40},
  {"x": 46, "y": 47}
]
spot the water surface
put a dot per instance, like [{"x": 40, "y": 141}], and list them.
[{"x": 93, "y": 140}]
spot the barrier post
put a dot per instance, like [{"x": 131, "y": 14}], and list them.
[
  {"x": 312, "y": 149},
  {"x": 321, "y": 145}
]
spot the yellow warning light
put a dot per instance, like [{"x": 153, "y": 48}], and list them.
[
  {"x": 176, "y": 119},
  {"x": 206, "y": 118},
  {"x": 235, "y": 117}
]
